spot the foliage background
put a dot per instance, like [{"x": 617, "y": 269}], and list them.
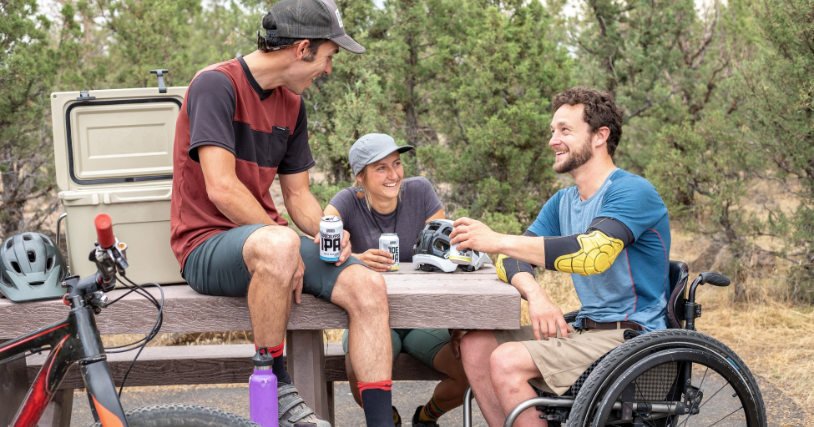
[{"x": 718, "y": 99}]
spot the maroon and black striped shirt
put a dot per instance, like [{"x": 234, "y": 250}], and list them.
[{"x": 266, "y": 130}]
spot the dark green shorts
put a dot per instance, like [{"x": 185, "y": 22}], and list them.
[
  {"x": 216, "y": 266},
  {"x": 423, "y": 344}
]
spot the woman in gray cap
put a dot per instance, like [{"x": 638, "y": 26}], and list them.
[{"x": 383, "y": 201}]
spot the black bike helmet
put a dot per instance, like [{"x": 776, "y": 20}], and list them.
[
  {"x": 31, "y": 268},
  {"x": 431, "y": 248}
]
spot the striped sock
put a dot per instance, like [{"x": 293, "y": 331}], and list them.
[
  {"x": 278, "y": 367},
  {"x": 431, "y": 411},
  {"x": 377, "y": 401}
]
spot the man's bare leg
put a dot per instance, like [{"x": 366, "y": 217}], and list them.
[
  {"x": 476, "y": 350},
  {"x": 512, "y": 367},
  {"x": 272, "y": 256},
  {"x": 363, "y": 294},
  {"x": 352, "y": 380},
  {"x": 449, "y": 393}
]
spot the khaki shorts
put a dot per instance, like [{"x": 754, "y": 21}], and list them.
[{"x": 562, "y": 360}]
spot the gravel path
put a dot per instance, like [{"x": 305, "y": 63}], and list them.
[{"x": 407, "y": 396}]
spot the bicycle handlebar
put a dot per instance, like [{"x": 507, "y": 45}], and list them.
[
  {"x": 104, "y": 230},
  {"x": 109, "y": 257}
]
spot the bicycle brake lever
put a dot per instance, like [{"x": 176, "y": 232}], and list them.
[{"x": 121, "y": 257}]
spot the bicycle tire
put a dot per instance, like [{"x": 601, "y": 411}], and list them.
[
  {"x": 692, "y": 347},
  {"x": 182, "y": 415}
]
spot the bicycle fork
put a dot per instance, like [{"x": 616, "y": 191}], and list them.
[{"x": 75, "y": 340}]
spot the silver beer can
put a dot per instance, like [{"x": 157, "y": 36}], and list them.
[
  {"x": 330, "y": 238},
  {"x": 390, "y": 242},
  {"x": 463, "y": 257}
]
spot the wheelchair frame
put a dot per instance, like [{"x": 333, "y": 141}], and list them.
[{"x": 614, "y": 372}]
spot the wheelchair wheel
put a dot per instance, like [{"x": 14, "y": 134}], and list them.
[{"x": 672, "y": 377}]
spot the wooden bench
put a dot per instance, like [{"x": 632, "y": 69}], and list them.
[{"x": 417, "y": 299}]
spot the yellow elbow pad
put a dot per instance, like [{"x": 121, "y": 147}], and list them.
[
  {"x": 501, "y": 270},
  {"x": 597, "y": 253}
]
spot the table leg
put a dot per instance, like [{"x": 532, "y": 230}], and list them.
[
  {"x": 13, "y": 388},
  {"x": 305, "y": 355}
]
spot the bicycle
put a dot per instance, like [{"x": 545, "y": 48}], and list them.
[{"x": 77, "y": 340}]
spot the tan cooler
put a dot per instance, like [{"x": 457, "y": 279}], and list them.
[{"x": 113, "y": 154}]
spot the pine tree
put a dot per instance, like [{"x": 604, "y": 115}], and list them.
[
  {"x": 27, "y": 69},
  {"x": 492, "y": 107},
  {"x": 778, "y": 88}
]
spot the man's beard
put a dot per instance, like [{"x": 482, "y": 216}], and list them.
[{"x": 576, "y": 158}]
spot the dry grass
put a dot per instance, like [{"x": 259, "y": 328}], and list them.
[{"x": 776, "y": 340}]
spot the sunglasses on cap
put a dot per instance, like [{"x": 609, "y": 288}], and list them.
[{"x": 263, "y": 42}]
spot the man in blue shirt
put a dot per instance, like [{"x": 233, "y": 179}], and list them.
[{"x": 610, "y": 231}]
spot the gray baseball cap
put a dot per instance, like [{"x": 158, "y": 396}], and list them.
[
  {"x": 372, "y": 148},
  {"x": 312, "y": 19}
]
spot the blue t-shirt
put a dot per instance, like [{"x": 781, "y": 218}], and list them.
[{"x": 635, "y": 287}]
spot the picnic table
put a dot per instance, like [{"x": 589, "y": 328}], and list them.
[{"x": 417, "y": 299}]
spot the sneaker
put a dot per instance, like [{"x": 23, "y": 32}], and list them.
[
  {"x": 418, "y": 423},
  {"x": 396, "y": 417},
  {"x": 292, "y": 409}
]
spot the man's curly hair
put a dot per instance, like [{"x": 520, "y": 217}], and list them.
[{"x": 600, "y": 110}]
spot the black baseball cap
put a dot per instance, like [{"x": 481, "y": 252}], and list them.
[{"x": 312, "y": 19}]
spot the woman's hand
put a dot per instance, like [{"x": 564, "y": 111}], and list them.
[{"x": 377, "y": 259}]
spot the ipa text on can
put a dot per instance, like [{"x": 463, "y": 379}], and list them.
[
  {"x": 330, "y": 238},
  {"x": 390, "y": 242}
]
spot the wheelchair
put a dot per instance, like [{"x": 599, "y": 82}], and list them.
[{"x": 668, "y": 378}]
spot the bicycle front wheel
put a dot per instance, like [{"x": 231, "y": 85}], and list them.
[{"x": 181, "y": 415}]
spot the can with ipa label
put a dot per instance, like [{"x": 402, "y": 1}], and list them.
[
  {"x": 330, "y": 238},
  {"x": 390, "y": 242}
]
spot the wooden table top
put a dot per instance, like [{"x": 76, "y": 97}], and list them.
[{"x": 462, "y": 300}]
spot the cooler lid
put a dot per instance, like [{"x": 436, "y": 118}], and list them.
[{"x": 114, "y": 138}]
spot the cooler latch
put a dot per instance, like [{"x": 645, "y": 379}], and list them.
[
  {"x": 84, "y": 96},
  {"x": 160, "y": 74}
]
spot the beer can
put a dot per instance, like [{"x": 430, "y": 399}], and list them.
[
  {"x": 390, "y": 242},
  {"x": 330, "y": 238},
  {"x": 463, "y": 257}
]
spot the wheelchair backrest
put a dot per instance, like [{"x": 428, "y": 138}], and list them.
[{"x": 679, "y": 272}]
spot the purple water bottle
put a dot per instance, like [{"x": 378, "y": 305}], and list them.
[{"x": 263, "y": 390}]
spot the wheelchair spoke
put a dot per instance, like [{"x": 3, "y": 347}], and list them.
[
  {"x": 711, "y": 397},
  {"x": 730, "y": 414},
  {"x": 700, "y": 386},
  {"x": 686, "y": 420}
]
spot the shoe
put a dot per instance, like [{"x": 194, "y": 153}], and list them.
[
  {"x": 292, "y": 409},
  {"x": 417, "y": 423},
  {"x": 397, "y": 420}
]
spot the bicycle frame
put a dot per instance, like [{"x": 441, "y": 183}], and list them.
[{"x": 75, "y": 339}]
